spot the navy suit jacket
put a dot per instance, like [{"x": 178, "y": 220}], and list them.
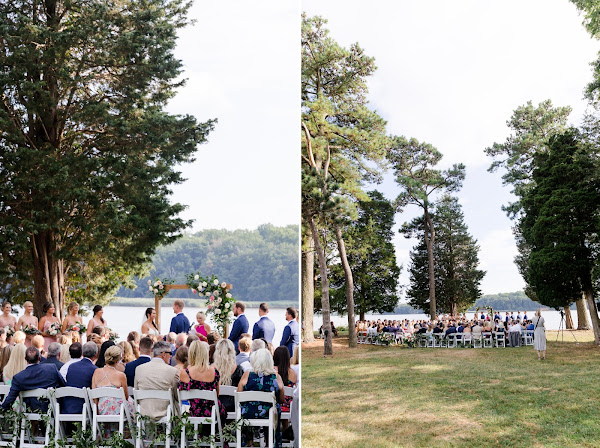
[
  {"x": 53, "y": 360},
  {"x": 264, "y": 328},
  {"x": 240, "y": 326},
  {"x": 130, "y": 368},
  {"x": 34, "y": 376},
  {"x": 291, "y": 336},
  {"x": 180, "y": 324},
  {"x": 79, "y": 375}
]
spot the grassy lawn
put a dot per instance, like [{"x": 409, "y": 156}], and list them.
[{"x": 375, "y": 396}]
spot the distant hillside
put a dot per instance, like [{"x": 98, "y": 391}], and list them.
[{"x": 261, "y": 264}]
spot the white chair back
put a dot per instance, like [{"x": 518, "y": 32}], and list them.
[
  {"x": 26, "y": 414},
  {"x": 152, "y": 394},
  {"x": 120, "y": 418},
  {"x": 230, "y": 392},
  {"x": 7, "y": 439},
  {"x": 214, "y": 420},
  {"x": 84, "y": 417},
  {"x": 264, "y": 397}
]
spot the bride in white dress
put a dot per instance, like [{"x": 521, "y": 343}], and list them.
[{"x": 149, "y": 325}]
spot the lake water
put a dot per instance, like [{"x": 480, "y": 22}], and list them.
[
  {"x": 124, "y": 319},
  {"x": 552, "y": 318}
]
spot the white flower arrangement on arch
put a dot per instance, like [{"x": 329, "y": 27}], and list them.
[{"x": 219, "y": 301}]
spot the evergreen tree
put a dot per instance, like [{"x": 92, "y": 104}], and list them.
[
  {"x": 372, "y": 259},
  {"x": 561, "y": 224},
  {"x": 87, "y": 152},
  {"x": 455, "y": 257}
]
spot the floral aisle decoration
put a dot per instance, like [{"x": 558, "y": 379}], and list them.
[
  {"x": 158, "y": 288},
  {"x": 219, "y": 300}
]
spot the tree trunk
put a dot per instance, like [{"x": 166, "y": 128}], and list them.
[
  {"x": 429, "y": 240},
  {"x": 308, "y": 288},
  {"x": 352, "y": 341},
  {"x": 589, "y": 295},
  {"x": 583, "y": 323},
  {"x": 568, "y": 318},
  {"x": 328, "y": 346},
  {"x": 48, "y": 274},
  {"x": 454, "y": 309}
]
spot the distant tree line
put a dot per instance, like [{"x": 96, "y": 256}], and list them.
[{"x": 261, "y": 264}]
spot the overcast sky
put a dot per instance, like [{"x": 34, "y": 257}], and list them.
[
  {"x": 451, "y": 74},
  {"x": 241, "y": 59}
]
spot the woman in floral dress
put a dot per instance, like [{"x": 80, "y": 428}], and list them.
[
  {"x": 262, "y": 379},
  {"x": 109, "y": 376}
]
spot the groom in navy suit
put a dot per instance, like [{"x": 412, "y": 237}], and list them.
[
  {"x": 240, "y": 326},
  {"x": 180, "y": 323},
  {"x": 35, "y": 375}
]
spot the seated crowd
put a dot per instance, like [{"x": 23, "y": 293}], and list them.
[
  {"x": 185, "y": 361},
  {"x": 448, "y": 324}
]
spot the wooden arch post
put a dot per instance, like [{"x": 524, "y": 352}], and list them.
[{"x": 157, "y": 300}]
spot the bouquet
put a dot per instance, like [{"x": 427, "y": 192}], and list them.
[
  {"x": 9, "y": 331},
  {"x": 78, "y": 327},
  {"x": 54, "y": 329},
  {"x": 112, "y": 335},
  {"x": 31, "y": 330}
]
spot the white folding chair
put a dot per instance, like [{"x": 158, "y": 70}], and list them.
[
  {"x": 138, "y": 396},
  {"x": 214, "y": 420},
  {"x": 83, "y": 417},
  {"x": 467, "y": 340},
  {"x": 451, "y": 340},
  {"x": 477, "y": 339},
  {"x": 121, "y": 417},
  {"x": 28, "y": 416},
  {"x": 288, "y": 392},
  {"x": 487, "y": 339},
  {"x": 228, "y": 391},
  {"x": 499, "y": 339},
  {"x": 527, "y": 336},
  {"x": 7, "y": 438},
  {"x": 269, "y": 423}
]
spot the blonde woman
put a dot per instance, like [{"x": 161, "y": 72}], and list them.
[
  {"x": 231, "y": 373},
  {"x": 16, "y": 363},
  {"x": 539, "y": 334},
  {"x": 27, "y": 320},
  {"x": 202, "y": 329},
  {"x": 109, "y": 376},
  {"x": 200, "y": 375},
  {"x": 127, "y": 351},
  {"x": 72, "y": 317}
]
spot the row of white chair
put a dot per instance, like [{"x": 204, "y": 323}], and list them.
[
  {"x": 90, "y": 415},
  {"x": 481, "y": 340}
]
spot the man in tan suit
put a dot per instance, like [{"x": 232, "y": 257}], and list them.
[{"x": 157, "y": 375}]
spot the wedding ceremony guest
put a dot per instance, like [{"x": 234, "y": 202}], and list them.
[
  {"x": 16, "y": 363},
  {"x": 281, "y": 362},
  {"x": 53, "y": 355},
  {"x": 6, "y": 318},
  {"x": 295, "y": 361},
  {"x": 109, "y": 376},
  {"x": 46, "y": 323},
  {"x": 213, "y": 337},
  {"x": 262, "y": 378},
  {"x": 101, "y": 362},
  {"x": 181, "y": 358},
  {"x": 200, "y": 375},
  {"x": 202, "y": 329},
  {"x": 240, "y": 325},
  {"x": 38, "y": 341},
  {"x": 539, "y": 334},
  {"x": 80, "y": 374},
  {"x": 75, "y": 336},
  {"x": 157, "y": 375},
  {"x": 244, "y": 354},
  {"x": 171, "y": 339},
  {"x": 65, "y": 342},
  {"x": 193, "y": 337},
  {"x": 96, "y": 339},
  {"x": 27, "y": 320},
  {"x": 127, "y": 353},
  {"x": 134, "y": 339},
  {"x": 18, "y": 337},
  {"x": 179, "y": 323},
  {"x": 149, "y": 325},
  {"x": 264, "y": 328},
  {"x": 180, "y": 340},
  {"x": 451, "y": 329},
  {"x": 3, "y": 342},
  {"x": 75, "y": 351},
  {"x": 291, "y": 334},
  {"x": 146, "y": 345},
  {"x": 96, "y": 321},
  {"x": 72, "y": 318},
  {"x": 34, "y": 376},
  {"x": 230, "y": 372},
  {"x": 514, "y": 334}
]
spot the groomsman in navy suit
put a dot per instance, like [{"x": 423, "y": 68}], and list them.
[
  {"x": 240, "y": 326},
  {"x": 180, "y": 323},
  {"x": 146, "y": 345},
  {"x": 291, "y": 332},
  {"x": 80, "y": 375},
  {"x": 35, "y": 375},
  {"x": 264, "y": 328}
]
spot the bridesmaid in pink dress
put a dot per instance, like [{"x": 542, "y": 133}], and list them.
[
  {"x": 202, "y": 329},
  {"x": 46, "y": 321}
]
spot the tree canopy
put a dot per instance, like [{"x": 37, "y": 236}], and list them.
[{"x": 87, "y": 152}]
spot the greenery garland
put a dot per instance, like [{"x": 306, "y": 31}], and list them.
[
  {"x": 220, "y": 302},
  {"x": 158, "y": 287}
]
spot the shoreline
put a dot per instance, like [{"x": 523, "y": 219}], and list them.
[{"x": 194, "y": 303}]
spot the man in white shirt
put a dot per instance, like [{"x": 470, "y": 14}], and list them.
[{"x": 75, "y": 352}]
